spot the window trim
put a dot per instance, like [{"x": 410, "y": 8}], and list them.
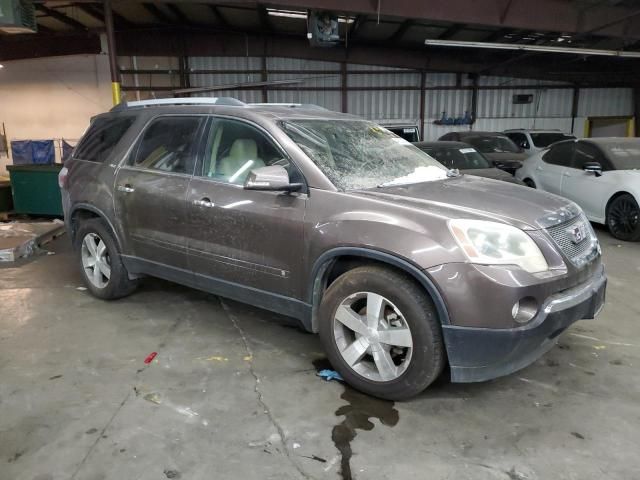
[
  {"x": 209, "y": 124},
  {"x": 124, "y": 161}
]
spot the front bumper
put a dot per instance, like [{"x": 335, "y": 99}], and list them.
[{"x": 478, "y": 354}]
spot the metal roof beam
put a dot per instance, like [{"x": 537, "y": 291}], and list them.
[
  {"x": 548, "y": 15},
  {"x": 61, "y": 17}
]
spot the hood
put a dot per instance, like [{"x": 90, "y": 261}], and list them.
[
  {"x": 494, "y": 173},
  {"x": 506, "y": 156},
  {"x": 474, "y": 197}
]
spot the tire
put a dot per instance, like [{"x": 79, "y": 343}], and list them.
[
  {"x": 623, "y": 218},
  {"x": 529, "y": 183},
  {"x": 117, "y": 284},
  {"x": 414, "y": 368}
]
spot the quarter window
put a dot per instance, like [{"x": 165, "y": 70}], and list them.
[
  {"x": 102, "y": 137},
  {"x": 234, "y": 148},
  {"x": 519, "y": 139},
  {"x": 169, "y": 144}
]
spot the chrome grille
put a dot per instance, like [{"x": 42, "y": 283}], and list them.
[{"x": 574, "y": 248}]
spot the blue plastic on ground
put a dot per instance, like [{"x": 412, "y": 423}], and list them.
[{"x": 330, "y": 375}]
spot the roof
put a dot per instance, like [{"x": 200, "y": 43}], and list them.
[
  {"x": 474, "y": 133},
  {"x": 534, "y": 130},
  {"x": 443, "y": 143},
  {"x": 613, "y": 140}
]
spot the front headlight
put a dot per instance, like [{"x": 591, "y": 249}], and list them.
[{"x": 492, "y": 243}]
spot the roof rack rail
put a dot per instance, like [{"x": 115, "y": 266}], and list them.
[
  {"x": 229, "y": 101},
  {"x": 290, "y": 105}
]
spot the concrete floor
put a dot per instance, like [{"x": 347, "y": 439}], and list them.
[{"x": 233, "y": 393}]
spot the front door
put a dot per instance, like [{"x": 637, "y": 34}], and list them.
[
  {"x": 585, "y": 188},
  {"x": 150, "y": 190},
  {"x": 250, "y": 238}
]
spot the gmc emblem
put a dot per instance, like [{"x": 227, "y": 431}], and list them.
[{"x": 578, "y": 233}]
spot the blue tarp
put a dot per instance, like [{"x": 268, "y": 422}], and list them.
[{"x": 25, "y": 152}]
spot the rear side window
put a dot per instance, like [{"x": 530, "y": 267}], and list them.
[
  {"x": 169, "y": 144},
  {"x": 560, "y": 154},
  {"x": 101, "y": 138}
]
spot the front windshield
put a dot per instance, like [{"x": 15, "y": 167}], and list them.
[
  {"x": 545, "y": 139},
  {"x": 357, "y": 154},
  {"x": 624, "y": 155},
  {"x": 493, "y": 144},
  {"x": 466, "y": 158}
]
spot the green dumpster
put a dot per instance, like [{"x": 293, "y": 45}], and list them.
[
  {"x": 35, "y": 189},
  {"x": 6, "y": 202}
]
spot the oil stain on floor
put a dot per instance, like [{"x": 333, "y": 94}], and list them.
[{"x": 358, "y": 413}]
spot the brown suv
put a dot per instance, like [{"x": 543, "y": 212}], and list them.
[{"x": 405, "y": 268}]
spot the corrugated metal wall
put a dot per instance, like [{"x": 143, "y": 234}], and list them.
[{"x": 372, "y": 92}]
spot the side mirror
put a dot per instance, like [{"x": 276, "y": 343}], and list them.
[
  {"x": 593, "y": 167},
  {"x": 273, "y": 178}
]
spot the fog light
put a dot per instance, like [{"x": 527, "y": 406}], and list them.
[{"x": 524, "y": 310}]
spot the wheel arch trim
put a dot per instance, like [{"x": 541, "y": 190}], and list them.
[
  {"x": 100, "y": 214},
  {"x": 324, "y": 262}
]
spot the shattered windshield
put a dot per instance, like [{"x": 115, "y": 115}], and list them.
[{"x": 356, "y": 154}]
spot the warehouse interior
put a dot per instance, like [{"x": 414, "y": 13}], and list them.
[{"x": 173, "y": 382}]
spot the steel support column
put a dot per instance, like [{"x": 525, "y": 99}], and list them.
[
  {"x": 113, "y": 58},
  {"x": 423, "y": 98},
  {"x": 574, "y": 107}
]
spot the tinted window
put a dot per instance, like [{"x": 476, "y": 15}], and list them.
[
  {"x": 519, "y": 139},
  {"x": 585, "y": 152},
  {"x": 545, "y": 139},
  {"x": 460, "y": 158},
  {"x": 493, "y": 144},
  {"x": 624, "y": 155},
  {"x": 101, "y": 138},
  {"x": 169, "y": 144},
  {"x": 234, "y": 148},
  {"x": 560, "y": 154}
]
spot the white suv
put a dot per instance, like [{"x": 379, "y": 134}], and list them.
[{"x": 533, "y": 141}]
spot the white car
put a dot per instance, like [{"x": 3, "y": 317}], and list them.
[
  {"x": 534, "y": 141},
  {"x": 602, "y": 175}
]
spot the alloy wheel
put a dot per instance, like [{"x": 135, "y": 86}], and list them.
[
  {"x": 95, "y": 260},
  {"x": 372, "y": 336},
  {"x": 623, "y": 217}
]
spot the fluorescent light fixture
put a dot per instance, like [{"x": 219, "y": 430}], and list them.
[
  {"x": 1, "y": 66},
  {"x": 277, "y": 12},
  {"x": 532, "y": 48},
  {"x": 286, "y": 13}
]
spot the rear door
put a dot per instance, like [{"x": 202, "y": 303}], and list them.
[
  {"x": 246, "y": 237},
  {"x": 151, "y": 187},
  {"x": 584, "y": 188},
  {"x": 550, "y": 169}
]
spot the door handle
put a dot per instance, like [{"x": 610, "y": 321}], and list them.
[
  {"x": 205, "y": 202},
  {"x": 566, "y": 174},
  {"x": 126, "y": 188},
  {"x": 538, "y": 168}
]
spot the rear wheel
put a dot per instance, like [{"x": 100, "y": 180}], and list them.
[
  {"x": 381, "y": 332},
  {"x": 529, "y": 183},
  {"x": 623, "y": 218},
  {"x": 102, "y": 269}
]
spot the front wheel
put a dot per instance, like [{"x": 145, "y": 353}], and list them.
[
  {"x": 381, "y": 332},
  {"x": 623, "y": 218}
]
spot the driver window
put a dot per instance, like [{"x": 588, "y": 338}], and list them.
[
  {"x": 587, "y": 153},
  {"x": 234, "y": 148},
  {"x": 168, "y": 144}
]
